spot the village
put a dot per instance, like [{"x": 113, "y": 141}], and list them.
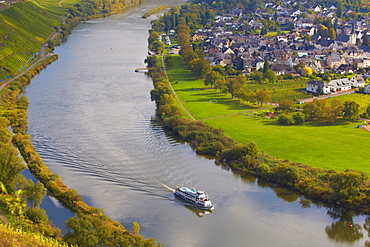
[{"x": 237, "y": 40}]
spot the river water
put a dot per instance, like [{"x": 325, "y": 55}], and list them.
[{"x": 92, "y": 122}]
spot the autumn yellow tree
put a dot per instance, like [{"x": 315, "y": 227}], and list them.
[{"x": 307, "y": 71}]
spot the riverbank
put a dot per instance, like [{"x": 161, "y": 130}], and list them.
[
  {"x": 154, "y": 11},
  {"x": 69, "y": 198},
  {"x": 315, "y": 183},
  {"x": 110, "y": 147},
  {"x": 246, "y": 122}
]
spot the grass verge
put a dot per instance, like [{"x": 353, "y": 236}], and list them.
[{"x": 339, "y": 146}]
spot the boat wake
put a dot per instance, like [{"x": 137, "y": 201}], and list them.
[{"x": 167, "y": 187}]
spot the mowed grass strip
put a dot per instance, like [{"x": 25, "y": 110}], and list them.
[
  {"x": 202, "y": 102},
  {"x": 330, "y": 147},
  {"x": 339, "y": 146}
]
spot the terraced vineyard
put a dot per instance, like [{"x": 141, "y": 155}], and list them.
[{"x": 24, "y": 29}]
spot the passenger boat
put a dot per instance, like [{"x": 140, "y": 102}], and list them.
[{"x": 198, "y": 198}]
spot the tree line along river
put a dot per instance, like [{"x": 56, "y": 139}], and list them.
[{"x": 92, "y": 122}]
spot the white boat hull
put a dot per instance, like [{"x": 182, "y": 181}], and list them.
[{"x": 194, "y": 197}]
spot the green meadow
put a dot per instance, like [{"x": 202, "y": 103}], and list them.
[
  {"x": 330, "y": 147},
  {"x": 339, "y": 146},
  {"x": 201, "y": 101}
]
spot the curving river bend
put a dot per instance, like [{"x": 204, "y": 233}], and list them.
[{"x": 92, "y": 121}]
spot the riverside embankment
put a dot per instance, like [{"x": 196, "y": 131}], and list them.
[{"x": 92, "y": 122}]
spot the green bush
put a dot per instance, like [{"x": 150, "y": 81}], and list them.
[
  {"x": 285, "y": 174},
  {"x": 285, "y": 119},
  {"x": 37, "y": 215}
]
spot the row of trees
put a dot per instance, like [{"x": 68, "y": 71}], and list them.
[
  {"x": 194, "y": 16},
  {"x": 337, "y": 187},
  {"x": 347, "y": 187},
  {"x": 19, "y": 196},
  {"x": 88, "y": 8},
  {"x": 236, "y": 86},
  {"x": 319, "y": 110}
]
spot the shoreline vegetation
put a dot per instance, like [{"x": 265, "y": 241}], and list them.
[
  {"x": 90, "y": 226},
  {"x": 154, "y": 11},
  {"x": 347, "y": 188}
]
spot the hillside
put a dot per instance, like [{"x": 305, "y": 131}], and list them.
[
  {"x": 24, "y": 28},
  {"x": 13, "y": 237}
]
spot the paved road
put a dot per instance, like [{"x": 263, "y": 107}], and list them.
[
  {"x": 41, "y": 56},
  {"x": 328, "y": 96},
  {"x": 6, "y": 82}
]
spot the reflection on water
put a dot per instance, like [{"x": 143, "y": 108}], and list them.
[
  {"x": 344, "y": 232},
  {"x": 343, "y": 229},
  {"x": 286, "y": 195},
  {"x": 367, "y": 228}
]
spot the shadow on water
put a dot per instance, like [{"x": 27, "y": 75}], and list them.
[
  {"x": 193, "y": 208},
  {"x": 343, "y": 230}
]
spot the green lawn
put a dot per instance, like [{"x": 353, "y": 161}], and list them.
[
  {"x": 192, "y": 92},
  {"x": 339, "y": 146}
]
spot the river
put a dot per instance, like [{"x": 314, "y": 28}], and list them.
[{"x": 92, "y": 122}]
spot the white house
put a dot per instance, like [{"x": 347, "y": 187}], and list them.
[
  {"x": 317, "y": 87},
  {"x": 366, "y": 63},
  {"x": 367, "y": 89},
  {"x": 339, "y": 85},
  {"x": 228, "y": 51},
  {"x": 317, "y": 9},
  {"x": 296, "y": 13},
  {"x": 357, "y": 81}
]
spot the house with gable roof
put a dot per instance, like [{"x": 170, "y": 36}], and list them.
[
  {"x": 318, "y": 87},
  {"x": 357, "y": 81},
  {"x": 317, "y": 8},
  {"x": 281, "y": 68},
  {"x": 343, "y": 69},
  {"x": 339, "y": 85},
  {"x": 334, "y": 61},
  {"x": 326, "y": 88},
  {"x": 367, "y": 89}
]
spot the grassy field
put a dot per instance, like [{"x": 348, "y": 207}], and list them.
[
  {"x": 201, "y": 101},
  {"x": 339, "y": 146}
]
